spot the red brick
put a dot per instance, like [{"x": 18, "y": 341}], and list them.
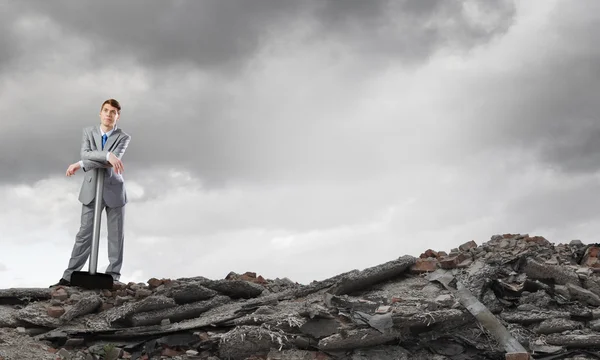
[
  {"x": 321, "y": 356},
  {"x": 429, "y": 254},
  {"x": 250, "y": 274},
  {"x": 170, "y": 352},
  {"x": 468, "y": 245},
  {"x": 424, "y": 265},
  {"x": 540, "y": 240},
  {"x": 452, "y": 262},
  {"x": 590, "y": 258},
  {"x": 60, "y": 294},
  {"x": 154, "y": 282},
  {"x": 55, "y": 311}
]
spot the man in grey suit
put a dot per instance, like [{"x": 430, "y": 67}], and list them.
[{"x": 102, "y": 146}]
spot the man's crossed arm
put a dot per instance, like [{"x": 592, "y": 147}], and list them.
[{"x": 91, "y": 159}]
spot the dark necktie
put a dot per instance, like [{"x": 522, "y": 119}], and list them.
[{"x": 104, "y": 138}]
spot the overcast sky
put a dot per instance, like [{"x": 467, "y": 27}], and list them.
[{"x": 299, "y": 139}]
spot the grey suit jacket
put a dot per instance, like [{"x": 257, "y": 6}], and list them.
[{"x": 94, "y": 157}]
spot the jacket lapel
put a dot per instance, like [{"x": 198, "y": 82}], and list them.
[
  {"x": 97, "y": 138},
  {"x": 111, "y": 139}
]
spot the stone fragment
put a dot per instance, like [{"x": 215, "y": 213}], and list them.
[
  {"x": 590, "y": 257},
  {"x": 592, "y": 283},
  {"x": 583, "y": 295},
  {"x": 468, "y": 245},
  {"x": 576, "y": 243},
  {"x": 142, "y": 293},
  {"x": 562, "y": 291},
  {"x": 594, "y": 325},
  {"x": 60, "y": 294},
  {"x": 445, "y": 300},
  {"x": 465, "y": 264},
  {"x": 55, "y": 311},
  {"x": 372, "y": 276},
  {"x": 558, "y": 325},
  {"x": 64, "y": 354},
  {"x": 518, "y": 356}
]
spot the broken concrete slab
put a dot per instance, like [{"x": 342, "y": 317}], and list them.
[
  {"x": 245, "y": 341},
  {"x": 359, "y": 338},
  {"x": 579, "y": 341},
  {"x": 559, "y": 274},
  {"x": 556, "y": 325},
  {"x": 178, "y": 313},
  {"x": 373, "y": 275},
  {"x": 84, "y": 306},
  {"x": 37, "y": 314},
  {"x": 320, "y": 328},
  {"x": 15, "y": 296},
  {"x": 584, "y": 295},
  {"x": 532, "y": 317},
  {"x": 151, "y": 303},
  {"x": 191, "y": 292},
  {"x": 235, "y": 289},
  {"x": 8, "y": 317}
]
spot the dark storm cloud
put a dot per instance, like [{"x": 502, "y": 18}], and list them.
[
  {"x": 223, "y": 34},
  {"x": 196, "y": 130},
  {"x": 548, "y": 102}
]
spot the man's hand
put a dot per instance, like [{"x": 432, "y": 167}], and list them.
[
  {"x": 116, "y": 163},
  {"x": 73, "y": 169}
]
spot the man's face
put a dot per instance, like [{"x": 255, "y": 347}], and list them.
[{"x": 109, "y": 115}]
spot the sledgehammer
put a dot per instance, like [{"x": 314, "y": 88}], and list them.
[{"x": 91, "y": 279}]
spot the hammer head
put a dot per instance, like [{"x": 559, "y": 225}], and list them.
[{"x": 91, "y": 281}]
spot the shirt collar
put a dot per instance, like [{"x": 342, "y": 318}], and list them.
[{"x": 109, "y": 132}]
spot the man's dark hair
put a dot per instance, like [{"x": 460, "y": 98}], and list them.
[{"x": 111, "y": 102}]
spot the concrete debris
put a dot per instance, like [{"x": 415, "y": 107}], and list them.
[{"x": 513, "y": 297}]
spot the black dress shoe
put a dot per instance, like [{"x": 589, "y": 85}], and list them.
[{"x": 62, "y": 282}]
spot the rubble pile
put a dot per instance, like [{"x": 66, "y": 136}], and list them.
[{"x": 512, "y": 297}]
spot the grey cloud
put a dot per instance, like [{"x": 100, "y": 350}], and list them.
[
  {"x": 222, "y": 35},
  {"x": 177, "y": 125},
  {"x": 547, "y": 105},
  {"x": 3, "y": 267}
]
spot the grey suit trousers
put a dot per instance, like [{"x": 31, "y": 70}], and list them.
[{"x": 83, "y": 240}]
